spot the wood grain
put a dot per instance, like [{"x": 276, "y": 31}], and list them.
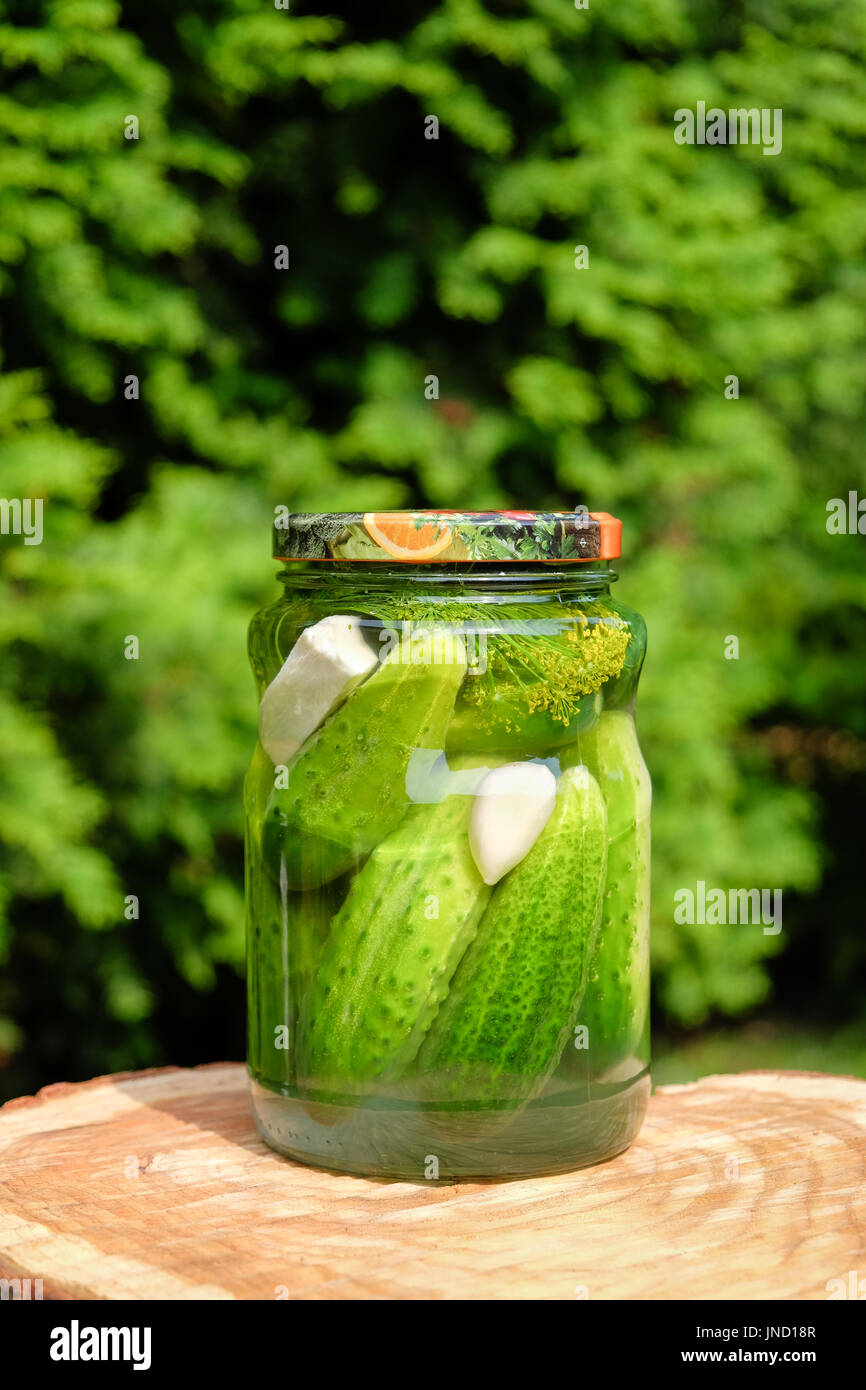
[{"x": 156, "y": 1185}]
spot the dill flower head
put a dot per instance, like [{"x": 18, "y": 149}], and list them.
[{"x": 548, "y": 673}]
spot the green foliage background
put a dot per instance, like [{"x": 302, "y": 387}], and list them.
[{"x": 155, "y": 257}]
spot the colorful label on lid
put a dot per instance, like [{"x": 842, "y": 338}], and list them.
[{"x": 443, "y": 537}]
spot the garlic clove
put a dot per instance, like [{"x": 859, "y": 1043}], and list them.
[
  {"x": 512, "y": 805},
  {"x": 328, "y": 660}
]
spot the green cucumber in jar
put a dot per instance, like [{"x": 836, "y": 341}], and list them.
[
  {"x": 535, "y": 670},
  {"x": 267, "y": 1006},
  {"x": 538, "y": 678},
  {"x": 621, "y": 689},
  {"x": 285, "y": 932},
  {"x": 346, "y": 784},
  {"x": 514, "y": 998},
  {"x": 615, "y": 1004},
  {"x": 287, "y": 942},
  {"x": 410, "y": 913},
  {"x": 504, "y": 724}
]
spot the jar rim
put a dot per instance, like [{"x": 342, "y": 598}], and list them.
[{"x": 438, "y": 537}]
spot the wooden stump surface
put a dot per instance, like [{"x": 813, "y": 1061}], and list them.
[{"x": 156, "y": 1185}]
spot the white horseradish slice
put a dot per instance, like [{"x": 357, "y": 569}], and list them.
[
  {"x": 512, "y": 806},
  {"x": 326, "y": 663}
]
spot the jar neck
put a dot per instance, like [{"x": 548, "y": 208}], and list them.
[{"x": 574, "y": 581}]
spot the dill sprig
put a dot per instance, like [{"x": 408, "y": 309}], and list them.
[{"x": 533, "y": 664}]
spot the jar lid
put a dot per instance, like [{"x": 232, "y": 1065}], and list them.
[{"x": 443, "y": 537}]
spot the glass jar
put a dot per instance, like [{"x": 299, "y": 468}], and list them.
[{"x": 447, "y": 847}]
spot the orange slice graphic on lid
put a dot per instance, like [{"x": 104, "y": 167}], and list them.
[{"x": 398, "y": 533}]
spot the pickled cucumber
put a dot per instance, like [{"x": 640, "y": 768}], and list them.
[
  {"x": 614, "y": 1007},
  {"x": 409, "y": 915},
  {"x": 536, "y": 670},
  {"x": 289, "y": 934},
  {"x": 285, "y": 934},
  {"x": 514, "y": 997},
  {"x": 542, "y": 680},
  {"x": 503, "y": 724},
  {"x": 346, "y": 785},
  {"x": 620, "y": 691}
]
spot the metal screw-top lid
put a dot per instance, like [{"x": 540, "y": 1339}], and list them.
[{"x": 441, "y": 537}]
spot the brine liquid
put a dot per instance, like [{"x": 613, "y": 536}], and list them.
[{"x": 562, "y": 1129}]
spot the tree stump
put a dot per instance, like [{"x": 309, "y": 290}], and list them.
[{"x": 156, "y": 1185}]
